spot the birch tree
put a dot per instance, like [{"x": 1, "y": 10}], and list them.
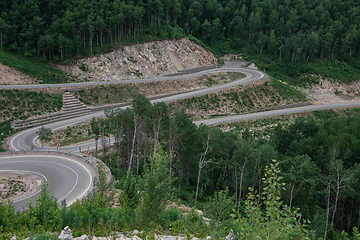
[
  {"x": 202, "y": 163},
  {"x": 141, "y": 106},
  {"x": 158, "y": 119}
]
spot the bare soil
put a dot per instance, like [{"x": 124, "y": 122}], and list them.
[
  {"x": 241, "y": 99},
  {"x": 10, "y": 76},
  {"x": 327, "y": 91},
  {"x": 17, "y": 185},
  {"x": 120, "y": 93}
]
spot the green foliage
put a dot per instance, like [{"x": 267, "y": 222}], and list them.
[
  {"x": 219, "y": 209},
  {"x": 44, "y": 134},
  {"x": 129, "y": 196},
  {"x": 8, "y": 219},
  {"x": 45, "y": 213},
  {"x": 266, "y": 217},
  {"x": 154, "y": 187},
  {"x": 46, "y": 236},
  {"x": 104, "y": 191},
  {"x": 36, "y": 69}
]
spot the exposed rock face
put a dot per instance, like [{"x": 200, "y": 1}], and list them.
[{"x": 146, "y": 60}]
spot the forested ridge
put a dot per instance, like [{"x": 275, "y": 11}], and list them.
[
  {"x": 159, "y": 154},
  {"x": 318, "y": 157},
  {"x": 293, "y": 31},
  {"x": 204, "y": 167}
]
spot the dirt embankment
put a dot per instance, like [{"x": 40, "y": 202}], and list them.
[
  {"x": 329, "y": 91},
  {"x": 118, "y": 93},
  {"x": 10, "y": 76},
  {"x": 255, "y": 96},
  {"x": 17, "y": 185},
  {"x": 146, "y": 60}
]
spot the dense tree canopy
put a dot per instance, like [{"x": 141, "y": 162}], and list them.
[{"x": 294, "y": 31}]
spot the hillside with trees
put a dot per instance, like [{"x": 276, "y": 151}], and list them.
[
  {"x": 288, "y": 32},
  {"x": 160, "y": 155}
]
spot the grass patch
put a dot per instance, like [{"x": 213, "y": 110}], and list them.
[
  {"x": 241, "y": 99},
  {"x": 21, "y": 104},
  {"x": 293, "y": 73},
  {"x": 34, "y": 68}
]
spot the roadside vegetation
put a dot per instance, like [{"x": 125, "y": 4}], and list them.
[
  {"x": 146, "y": 210},
  {"x": 305, "y": 74},
  {"x": 22, "y": 104},
  {"x": 241, "y": 99},
  {"x": 41, "y": 71},
  {"x": 204, "y": 167},
  {"x": 122, "y": 93},
  {"x": 220, "y": 166}
]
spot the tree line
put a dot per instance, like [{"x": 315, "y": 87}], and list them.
[
  {"x": 294, "y": 31},
  {"x": 319, "y": 159},
  {"x": 145, "y": 206}
]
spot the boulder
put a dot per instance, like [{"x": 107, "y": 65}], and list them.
[
  {"x": 66, "y": 234},
  {"x": 83, "y": 237},
  {"x": 135, "y": 238},
  {"x": 136, "y": 232},
  {"x": 231, "y": 235}
]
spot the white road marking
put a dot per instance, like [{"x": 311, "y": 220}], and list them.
[{"x": 68, "y": 159}]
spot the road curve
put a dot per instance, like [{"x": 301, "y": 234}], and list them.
[
  {"x": 27, "y": 139},
  {"x": 61, "y": 174},
  {"x": 68, "y": 179},
  {"x": 83, "y": 84}
]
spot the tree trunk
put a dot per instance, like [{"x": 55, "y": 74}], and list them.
[
  {"x": 327, "y": 208},
  {"x": 133, "y": 141},
  {"x": 137, "y": 158},
  {"x": 156, "y": 137},
  {"x": 336, "y": 201},
  {"x": 197, "y": 185},
  {"x": 236, "y": 189},
  {"x": 240, "y": 184},
  {"x": 349, "y": 219},
  {"x": 291, "y": 194}
]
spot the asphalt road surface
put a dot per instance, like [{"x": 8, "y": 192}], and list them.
[
  {"x": 67, "y": 179},
  {"x": 26, "y": 140}
]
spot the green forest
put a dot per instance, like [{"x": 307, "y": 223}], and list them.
[
  {"x": 289, "y": 31},
  {"x": 159, "y": 154},
  {"x": 311, "y": 190}
]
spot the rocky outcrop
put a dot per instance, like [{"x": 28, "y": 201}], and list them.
[
  {"x": 231, "y": 235},
  {"x": 66, "y": 235},
  {"x": 146, "y": 60}
]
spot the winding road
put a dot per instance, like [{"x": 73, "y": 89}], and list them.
[{"x": 62, "y": 173}]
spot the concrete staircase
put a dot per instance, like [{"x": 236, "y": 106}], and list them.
[{"x": 72, "y": 108}]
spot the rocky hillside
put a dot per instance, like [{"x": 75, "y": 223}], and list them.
[{"x": 146, "y": 60}]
